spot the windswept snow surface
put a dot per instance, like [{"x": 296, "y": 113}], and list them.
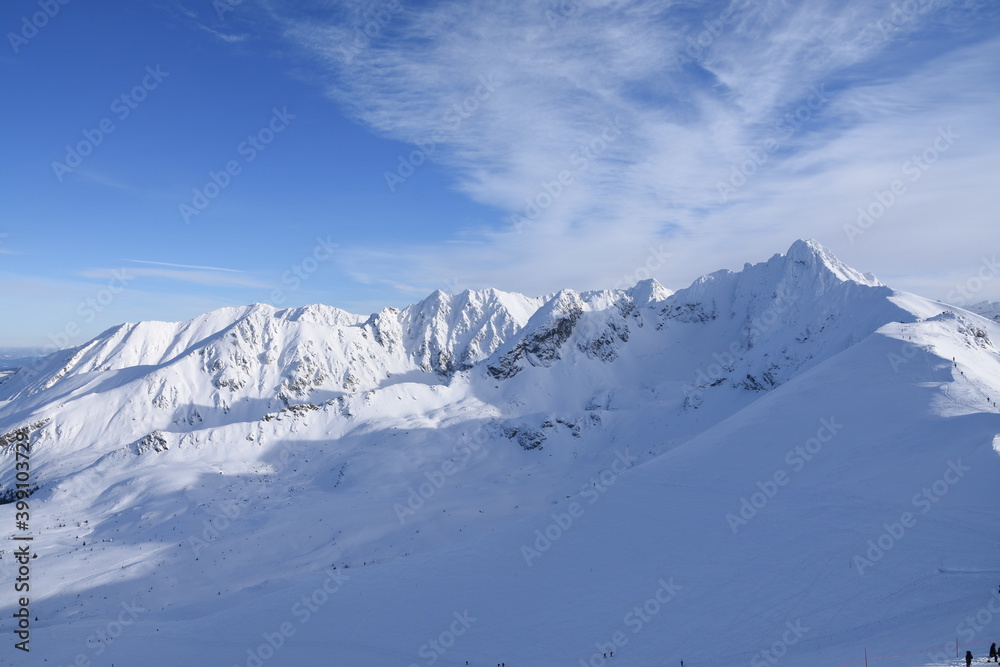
[{"x": 790, "y": 464}]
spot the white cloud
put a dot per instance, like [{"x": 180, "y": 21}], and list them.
[
  {"x": 183, "y": 266},
  {"x": 206, "y": 276},
  {"x": 868, "y": 96}
]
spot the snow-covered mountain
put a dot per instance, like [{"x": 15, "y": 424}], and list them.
[
  {"x": 695, "y": 474},
  {"x": 988, "y": 309}
]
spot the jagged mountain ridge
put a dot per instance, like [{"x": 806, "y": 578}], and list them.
[
  {"x": 257, "y": 359},
  {"x": 468, "y": 423}
]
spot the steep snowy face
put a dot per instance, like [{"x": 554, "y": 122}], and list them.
[
  {"x": 807, "y": 270},
  {"x": 776, "y": 318},
  {"x": 264, "y": 353},
  {"x": 648, "y": 291},
  {"x": 242, "y": 363},
  {"x": 157, "y": 344},
  {"x": 753, "y": 329},
  {"x": 828, "y": 270},
  {"x": 448, "y": 333},
  {"x": 594, "y": 324}
]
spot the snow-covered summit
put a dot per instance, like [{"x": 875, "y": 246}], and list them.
[
  {"x": 275, "y": 356},
  {"x": 752, "y": 443},
  {"x": 649, "y": 290},
  {"x": 447, "y": 333},
  {"x": 807, "y": 269},
  {"x": 817, "y": 258}
]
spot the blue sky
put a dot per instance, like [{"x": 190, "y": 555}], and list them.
[{"x": 364, "y": 154}]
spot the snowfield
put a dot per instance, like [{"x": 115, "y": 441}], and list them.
[{"x": 792, "y": 464}]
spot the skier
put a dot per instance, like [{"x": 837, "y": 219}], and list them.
[
  {"x": 968, "y": 658},
  {"x": 993, "y": 651}
]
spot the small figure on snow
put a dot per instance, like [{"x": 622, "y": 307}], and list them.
[
  {"x": 993, "y": 651},
  {"x": 968, "y": 658}
]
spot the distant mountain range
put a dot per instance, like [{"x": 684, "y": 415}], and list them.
[{"x": 743, "y": 452}]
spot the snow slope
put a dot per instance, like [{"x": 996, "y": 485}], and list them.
[
  {"x": 988, "y": 309},
  {"x": 789, "y": 464}
]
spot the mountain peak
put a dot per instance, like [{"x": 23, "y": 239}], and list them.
[
  {"x": 648, "y": 291},
  {"x": 815, "y": 256}
]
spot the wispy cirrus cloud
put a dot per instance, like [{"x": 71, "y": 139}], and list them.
[
  {"x": 183, "y": 266},
  {"x": 744, "y": 125},
  {"x": 209, "y": 276}
]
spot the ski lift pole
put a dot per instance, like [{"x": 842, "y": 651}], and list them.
[{"x": 866, "y": 657}]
